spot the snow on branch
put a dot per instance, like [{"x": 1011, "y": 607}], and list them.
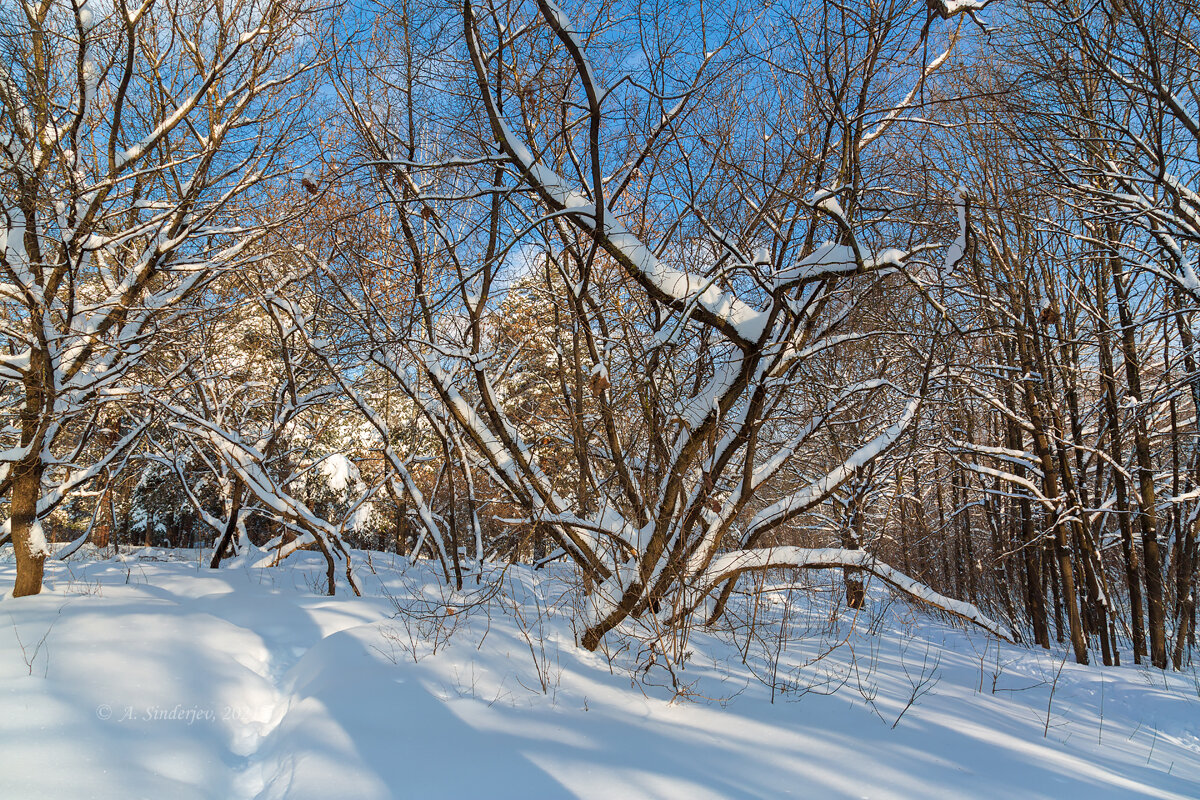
[
  {"x": 731, "y": 565},
  {"x": 815, "y": 492},
  {"x": 952, "y": 8}
]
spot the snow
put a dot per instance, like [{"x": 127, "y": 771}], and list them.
[
  {"x": 829, "y": 258},
  {"x": 12, "y": 367},
  {"x": 361, "y": 516},
  {"x": 958, "y": 248},
  {"x": 804, "y": 557},
  {"x": 817, "y": 490},
  {"x": 38, "y": 546},
  {"x": 1189, "y": 280},
  {"x": 950, "y": 8},
  {"x": 340, "y": 472},
  {"x": 150, "y": 676},
  {"x": 87, "y": 20}
]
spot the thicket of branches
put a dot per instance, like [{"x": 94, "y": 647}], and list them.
[{"x": 675, "y": 293}]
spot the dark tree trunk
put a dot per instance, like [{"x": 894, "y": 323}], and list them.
[
  {"x": 1151, "y": 555},
  {"x": 31, "y": 559},
  {"x": 230, "y": 531}
]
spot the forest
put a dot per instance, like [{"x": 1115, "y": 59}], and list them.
[{"x": 673, "y": 300}]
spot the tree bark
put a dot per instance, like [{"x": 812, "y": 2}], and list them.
[
  {"x": 1116, "y": 453},
  {"x": 1151, "y": 555},
  {"x": 31, "y": 557},
  {"x": 27, "y": 484},
  {"x": 230, "y": 527}
]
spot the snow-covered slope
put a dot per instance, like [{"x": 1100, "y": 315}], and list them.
[{"x": 151, "y": 677}]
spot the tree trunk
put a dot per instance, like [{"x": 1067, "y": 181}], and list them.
[
  {"x": 1151, "y": 555},
  {"x": 230, "y": 527},
  {"x": 1116, "y": 453},
  {"x": 28, "y": 547},
  {"x": 1045, "y": 454},
  {"x": 852, "y": 540}
]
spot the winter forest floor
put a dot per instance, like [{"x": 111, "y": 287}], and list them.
[{"x": 147, "y": 676}]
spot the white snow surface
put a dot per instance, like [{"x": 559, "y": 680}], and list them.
[
  {"x": 340, "y": 472},
  {"x": 150, "y": 676}
]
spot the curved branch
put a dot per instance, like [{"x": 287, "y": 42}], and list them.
[{"x": 731, "y": 565}]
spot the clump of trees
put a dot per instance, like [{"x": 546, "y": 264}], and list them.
[{"x": 904, "y": 290}]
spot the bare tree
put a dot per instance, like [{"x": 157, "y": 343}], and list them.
[
  {"x": 130, "y": 139},
  {"x": 683, "y": 370}
]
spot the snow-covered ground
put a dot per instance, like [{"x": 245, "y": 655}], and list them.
[{"x": 151, "y": 677}]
